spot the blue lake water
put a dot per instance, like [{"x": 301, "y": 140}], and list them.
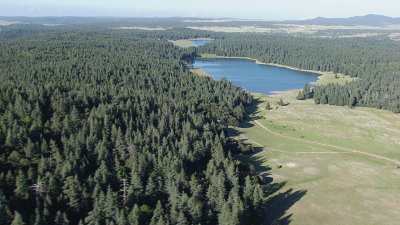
[
  {"x": 255, "y": 77},
  {"x": 200, "y": 42}
]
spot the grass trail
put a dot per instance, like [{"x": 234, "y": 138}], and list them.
[
  {"x": 345, "y": 160},
  {"x": 348, "y": 150}
]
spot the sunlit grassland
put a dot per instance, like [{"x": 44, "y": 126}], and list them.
[
  {"x": 200, "y": 72},
  {"x": 333, "y": 78},
  {"x": 318, "y": 148},
  {"x": 183, "y": 43}
]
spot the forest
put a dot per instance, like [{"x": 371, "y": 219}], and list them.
[
  {"x": 100, "y": 126},
  {"x": 375, "y": 62},
  {"x": 110, "y": 127}
]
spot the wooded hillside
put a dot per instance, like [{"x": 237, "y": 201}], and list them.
[{"x": 110, "y": 128}]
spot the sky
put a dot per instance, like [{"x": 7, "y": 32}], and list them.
[{"x": 246, "y": 9}]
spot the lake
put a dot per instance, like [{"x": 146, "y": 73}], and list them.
[
  {"x": 255, "y": 77},
  {"x": 200, "y": 42}
]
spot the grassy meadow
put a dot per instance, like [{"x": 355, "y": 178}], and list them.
[
  {"x": 183, "y": 43},
  {"x": 339, "y": 165}
]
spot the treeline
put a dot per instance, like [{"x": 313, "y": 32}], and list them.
[
  {"x": 375, "y": 62},
  {"x": 18, "y": 31},
  {"x": 102, "y": 129},
  {"x": 379, "y": 91}
]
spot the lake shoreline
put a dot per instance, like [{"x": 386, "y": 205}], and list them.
[
  {"x": 281, "y": 85},
  {"x": 323, "y": 77},
  {"x": 316, "y": 72},
  {"x": 189, "y": 43},
  {"x": 202, "y": 73},
  {"x": 201, "y": 39}
]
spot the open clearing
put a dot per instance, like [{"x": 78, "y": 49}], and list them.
[
  {"x": 200, "y": 72},
  {"x": 183, "y": 43},
  {"x": 187, "y": 43},
  {"x": 7, "y": 23},
  {"x": 142, "y": 28},
  {"x": 390, "y": 31},
  {"x": 345, "y": 160},
  {"x": 295, "y": 28}
]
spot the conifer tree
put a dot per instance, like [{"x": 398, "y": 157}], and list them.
[
  {"x": 17, "y": 219},
  {"x": 22, "y": 187},
  {"x": 158, "y": 214},
  {"x": 4, "y": 215},
  {"x": 134, "y": 216}
]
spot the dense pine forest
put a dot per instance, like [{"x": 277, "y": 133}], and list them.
[
  {"x": 102, "y": 128},
  {"x": 374, "y": 61}
]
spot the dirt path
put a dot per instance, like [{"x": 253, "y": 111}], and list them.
[
  {"x": 287, "y": 152},
  {"x": 344, "y": 149},
  {"x": 322, "y": 153}
]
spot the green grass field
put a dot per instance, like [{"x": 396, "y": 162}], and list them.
[
  {"x": 332, "y": 78},
  {"x": 344, "y": 161},
  {"x": 183, "y": 43}
]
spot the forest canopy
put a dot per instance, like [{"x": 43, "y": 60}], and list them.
[{"x": 104, "y": 128}]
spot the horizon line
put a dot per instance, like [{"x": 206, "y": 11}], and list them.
[{"x": 191, "y": 17}]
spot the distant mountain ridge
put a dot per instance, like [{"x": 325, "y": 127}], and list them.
[{"x": 367, "y": 20}]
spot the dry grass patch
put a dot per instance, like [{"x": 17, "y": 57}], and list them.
[
  {"x": 184, "y": 43},
  {"x": 141, "y": 28},
  {"x": 343, "y": 187},
  {"x": 7, "y": 23},
  {"x": 200, "y": 72}
]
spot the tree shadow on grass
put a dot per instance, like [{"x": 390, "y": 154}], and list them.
[
  {"x": 279, "y": 200},
  {"x": 251, "y": 114},
  {"x": 277, "y": 207}
]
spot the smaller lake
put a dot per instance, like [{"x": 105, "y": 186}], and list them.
[
  {"x": 255, "y": 77},
  {"x": 200, "y": 42}
]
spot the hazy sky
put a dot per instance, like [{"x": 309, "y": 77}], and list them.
[{"x": 264, "y": 9}]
